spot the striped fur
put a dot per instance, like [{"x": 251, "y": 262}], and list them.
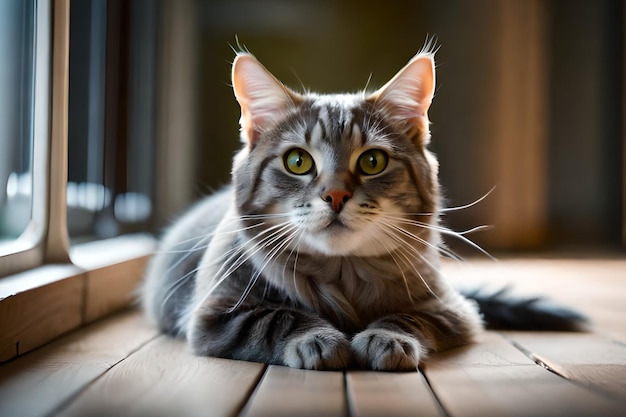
[{"x": 324, "y": 270}]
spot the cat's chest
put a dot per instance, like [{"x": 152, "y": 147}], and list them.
[
  {"x": 374, "y": 284},
  {"x": 371, "y": 286}
]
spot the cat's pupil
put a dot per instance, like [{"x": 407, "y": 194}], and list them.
[
  {"x": 373, "y": 161},
  {"x": 298, "y": 162}
]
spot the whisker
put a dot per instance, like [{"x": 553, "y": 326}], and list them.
[
  {"x": 417, "y": 256},
  {"x": 463, "y": 207},
  {"x": 444, "y": 251},
  {"x": 203, "y": 238},
  {"x": 295, "y": 250},
  {"x": 461, "y": 237},
  {"x": 267, "y": 216},
  {"x": 476, "y": 229},
  {"x": 295, "y": 262},
  {"x": 244, "y": 254},
  {"x": 182, "y": 242},
  {"x": 444, "y": 210},
  {"x": 180, "y": 281},
  {"x": 271, "y": 256},
  {"x": 176, "y": 285},
  {"x": 445, "y": 231},
  {"x": 268, "y": 257},
  {"x": 404, "y": 279}
]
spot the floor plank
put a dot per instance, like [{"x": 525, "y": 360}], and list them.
[
  {"x": 375, "y": 394},
  {"x": 493, "y": 378},
  {"x": 286, "y": 392},
  {"x": 587, "y": 358},
  {"x": 56, "y": 372},
  {"x": 121, "y": 366},
  {"x": 164, "y": 378}
]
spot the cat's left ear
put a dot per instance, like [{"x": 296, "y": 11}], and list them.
[
  {"x": 406, "y": 98},
  {"x": 263, "y": 99}
]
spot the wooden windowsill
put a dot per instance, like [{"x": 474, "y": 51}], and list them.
[
  {"x": 39, "y": 305},
  {"x": 122, "y": 366}
]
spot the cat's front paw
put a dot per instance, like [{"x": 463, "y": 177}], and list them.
[
  {"x": 386, "y": 350},
  {"x": 320, "y": 348}
]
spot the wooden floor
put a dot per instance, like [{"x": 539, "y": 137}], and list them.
[{"x": 120, "y": 366}]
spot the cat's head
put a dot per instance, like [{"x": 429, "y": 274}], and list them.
[{"x": 338, "y": 174}]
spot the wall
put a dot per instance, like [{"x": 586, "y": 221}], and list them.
[{"x": 529, "y": 99}]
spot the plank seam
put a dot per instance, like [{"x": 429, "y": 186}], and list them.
[
  {"x": 438, "y": 401},
  {"x": 530, "y": 355},
  {"x": 243, "y": 410},
  {"x": 538, "y": 361},
  {"x": 72, "y": 397},
  {"x": 346, "y": 392}
]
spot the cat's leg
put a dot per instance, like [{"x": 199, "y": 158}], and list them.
[
  {"x": 399, "y": 342},
  {"x": 269, "y": 334}
]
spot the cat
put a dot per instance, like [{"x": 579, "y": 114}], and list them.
[{"x": 324, "y": 252}]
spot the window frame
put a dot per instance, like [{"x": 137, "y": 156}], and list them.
[{"x": 48, "y": 288}]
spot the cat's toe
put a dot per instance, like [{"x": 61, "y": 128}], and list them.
[
  {"x": 321, "y": 349},
  {"x": 385, "y": 350}
]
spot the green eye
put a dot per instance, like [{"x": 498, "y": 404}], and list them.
[
  {"x": 298, "y": 161},
  {"x": 373, "y": 161}
]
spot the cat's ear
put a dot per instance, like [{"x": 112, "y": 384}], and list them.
[
  {"x": 263, "y": 99},
  {"x": 406, "y": 98}
]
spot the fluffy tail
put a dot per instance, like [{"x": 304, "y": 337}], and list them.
[{"x": 503, "y": 311}]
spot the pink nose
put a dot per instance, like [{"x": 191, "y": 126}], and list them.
[{"x": 337, "y": 198}]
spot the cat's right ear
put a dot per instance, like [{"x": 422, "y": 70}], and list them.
[{"x": 262, "y": 98}]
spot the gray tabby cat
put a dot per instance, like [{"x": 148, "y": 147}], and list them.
[{"x": 324, "y": 252}]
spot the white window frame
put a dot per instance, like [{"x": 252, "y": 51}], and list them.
[{"x": 46, "y": 287}]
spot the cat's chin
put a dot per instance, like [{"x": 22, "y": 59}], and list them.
[{"x": 338, "y": 240}]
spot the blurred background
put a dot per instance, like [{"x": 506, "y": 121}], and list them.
[{"x": 529, "y": 100}]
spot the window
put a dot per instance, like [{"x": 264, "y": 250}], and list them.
[
  {"x": 95, "y": 115},
  {"x": 17, "y": 37},
  {"x": 78, "y": 151},
  {"x": 111, "y": 118},
  {"x": 61, "y": 188},
  {"x": 79, "y": 145},
  {"x": 25, "y": 82}
]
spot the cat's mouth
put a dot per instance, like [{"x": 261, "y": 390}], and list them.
[{"x": 335, "y": 225}]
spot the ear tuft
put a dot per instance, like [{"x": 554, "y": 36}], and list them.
[
  {"x": 262, "y": 98},
  {"x": 408, "y": 95}
]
